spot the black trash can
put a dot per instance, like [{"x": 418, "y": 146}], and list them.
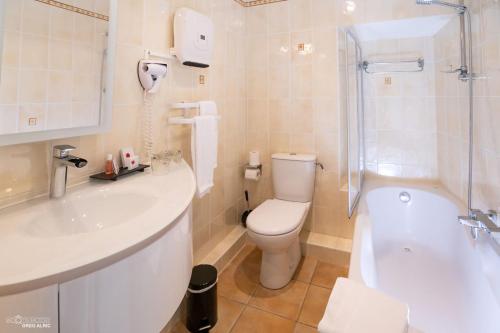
[{"x": 202, "y": 299}]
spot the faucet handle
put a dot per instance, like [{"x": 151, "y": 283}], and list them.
[{"x": 62, "y": 151}]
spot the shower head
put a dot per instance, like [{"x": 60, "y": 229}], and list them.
[{"x": 460, "y": 8}]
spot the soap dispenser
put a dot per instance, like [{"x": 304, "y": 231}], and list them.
[{"x": 108, "y": 166}]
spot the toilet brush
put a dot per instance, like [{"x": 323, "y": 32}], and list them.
[{"x": 246, "y": 212}]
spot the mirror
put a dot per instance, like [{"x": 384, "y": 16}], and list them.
[{"x": 56, "y": 68}]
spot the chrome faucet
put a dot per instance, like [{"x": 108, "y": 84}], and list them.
[
  {"x": 480, "y": 221},
  {"x": 61, "y": 159}
]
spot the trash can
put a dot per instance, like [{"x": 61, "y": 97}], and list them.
[{"x": 202, "y": 299}]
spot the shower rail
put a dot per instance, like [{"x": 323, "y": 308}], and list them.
[{"x": 419, "y": 62}]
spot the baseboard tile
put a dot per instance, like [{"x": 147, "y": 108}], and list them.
[{"x": 326, "y": 248}]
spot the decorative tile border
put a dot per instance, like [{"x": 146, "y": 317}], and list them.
[
  {"x": 74, "y": 9},
  {"x": 251, "y": 3}
]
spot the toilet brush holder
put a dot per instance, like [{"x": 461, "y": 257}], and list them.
[{"x": 247, "y": 212}]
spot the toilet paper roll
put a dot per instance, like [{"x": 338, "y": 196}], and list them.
[
  {"x": 254, "y": 158},
  {"x": 252, "y": 174}
]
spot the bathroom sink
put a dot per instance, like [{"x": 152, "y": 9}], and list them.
[
  {"x": 57, "y": 252},
  {"x": 45, "y": 241},
  {"x": 79, "y": 214}
]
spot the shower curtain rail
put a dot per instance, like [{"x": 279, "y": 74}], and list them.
[{"x": 419, "y": 62}]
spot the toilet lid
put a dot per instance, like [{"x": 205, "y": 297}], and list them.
[{"x": 277, "y": 217}]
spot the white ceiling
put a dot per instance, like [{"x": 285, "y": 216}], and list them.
[{"x": 409, "y": 28}]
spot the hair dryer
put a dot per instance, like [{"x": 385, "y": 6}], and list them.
[{"x": 150, "y": 74}]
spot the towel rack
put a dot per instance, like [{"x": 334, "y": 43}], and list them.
[
  {"x": 183, "y": 120},
  {"x": 185, "y": 106},
  {"x": 419, "y": 62}
]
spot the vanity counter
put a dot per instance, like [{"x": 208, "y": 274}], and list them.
[{"x": 44, "y": 242}]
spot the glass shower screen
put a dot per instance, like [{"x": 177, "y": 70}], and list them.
[{"x": 353, "y": 92}]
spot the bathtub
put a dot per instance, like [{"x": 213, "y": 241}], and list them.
[{"x": 418, "y": 253}]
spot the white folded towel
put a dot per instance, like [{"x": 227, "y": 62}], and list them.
[
  {"x": 356, "y": 308},
  {"x": 204, "y": 137},
  {"x": 208, "y": 108}
]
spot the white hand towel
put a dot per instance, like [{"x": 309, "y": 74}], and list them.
[
  {"x": 208, "y": 108},
  {"x": 204, "y": 137},
  {"x": 355, "y": 308}
]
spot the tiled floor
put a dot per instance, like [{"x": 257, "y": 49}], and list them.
[{"x": 246, "y": 306}]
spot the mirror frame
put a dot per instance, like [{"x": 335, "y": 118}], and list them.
[{"x": 107, "y": 98}]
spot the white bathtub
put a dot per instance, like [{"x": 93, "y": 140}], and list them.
[{"x": 418, "y": 253}]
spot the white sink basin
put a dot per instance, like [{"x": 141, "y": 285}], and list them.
[
  {"x": 52, "y": 240},
  {"x": 127, "y": 244},
  {"x": 92, "y": 212}
]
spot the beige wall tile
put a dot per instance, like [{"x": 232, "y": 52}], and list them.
[
  {"x": 8, "y": 88},
  {"x": 35, "y": 51},
  {"x": 35, "y": 18},
  {"x": 62, "y": 24},
  {"x": 300, "y": 14},
  {"x": 279, "y": 49},
  {"x": 278, "y": 17}
]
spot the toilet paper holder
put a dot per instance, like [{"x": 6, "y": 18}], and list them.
[{"x": 253, "y": 168}]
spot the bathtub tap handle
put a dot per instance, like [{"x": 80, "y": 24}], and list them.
[
  {"x": 470, "y": 222},
  {"x": 479, "y": 221}
]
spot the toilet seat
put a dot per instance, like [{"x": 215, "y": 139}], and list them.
[{"x": 277, "y": 217}]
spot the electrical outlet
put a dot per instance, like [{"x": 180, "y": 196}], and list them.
[
  {"x": 32, "y": 121},
  {"x": 201, "y": 79}
]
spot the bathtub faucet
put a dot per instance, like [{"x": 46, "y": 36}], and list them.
[{"x": 479, "y": 221}]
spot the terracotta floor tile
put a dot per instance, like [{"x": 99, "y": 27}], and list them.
[
  {"x": 326, "y": 274},
  {"x": 314, "y": 305},
  {"x": 285, "y": 302},
  {"x": 244, "y": 253},
  {"x": 250, "y": 265},
  {"x": 235, "y": 284},
  {"x": 228, "y": 312},
  {"x": 254, "y": 320},
  {"x": 301, "y": 328},
  {"x": 178, "y": 328},
  {"x": 306, "y": 269}
]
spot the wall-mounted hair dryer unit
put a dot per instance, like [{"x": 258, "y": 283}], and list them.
[
  {"x": 150, "y": 73},
  {"x": 193, "y": 38}
]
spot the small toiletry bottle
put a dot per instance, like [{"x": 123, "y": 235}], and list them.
[{"x": 108, "y": 167}]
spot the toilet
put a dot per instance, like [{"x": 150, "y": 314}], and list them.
[{"x": 274, "y": 226}]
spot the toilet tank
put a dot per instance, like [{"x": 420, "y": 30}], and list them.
[{"x": 293, "y": 176}]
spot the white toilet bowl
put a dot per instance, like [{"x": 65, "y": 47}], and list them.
[
  {"x": 275, "y": 224},
  {"x": 274, "y": 227}
]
